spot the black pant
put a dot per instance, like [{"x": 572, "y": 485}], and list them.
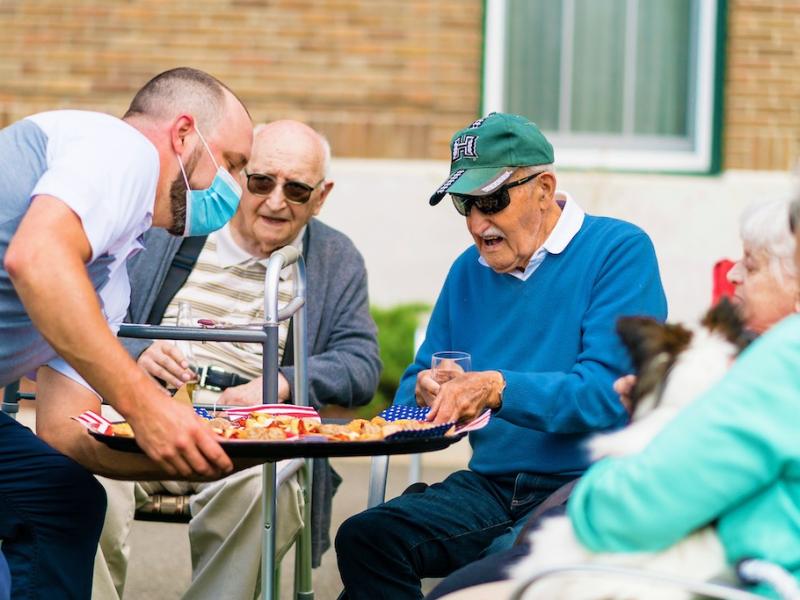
[
  {"x": 384, "y": 552},
  {"x": 51, "y": 516}
]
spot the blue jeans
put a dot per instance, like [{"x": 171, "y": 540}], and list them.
[
  {"x": 51, "y": 515},
  {"x": 385, "y": 551}
]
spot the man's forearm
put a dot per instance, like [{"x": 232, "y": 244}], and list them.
[{"x": 51, "y": 280}]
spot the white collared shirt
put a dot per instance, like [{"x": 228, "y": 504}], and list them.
[{"x": 567, "y": 226}]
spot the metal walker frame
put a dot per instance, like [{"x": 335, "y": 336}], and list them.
[{"x": 267, "y": 335}]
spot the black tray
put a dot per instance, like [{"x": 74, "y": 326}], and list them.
[{"x": 305, "y": 448}]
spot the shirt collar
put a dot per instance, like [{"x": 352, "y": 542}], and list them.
[
  {"x": 569, "y": 223},
  {"x": 230, "y": 254}
]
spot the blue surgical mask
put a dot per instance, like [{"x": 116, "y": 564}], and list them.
[{"x": 209, "y": 209}]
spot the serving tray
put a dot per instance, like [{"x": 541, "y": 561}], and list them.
[
  {"x": 308, "y": 447},
  {"x": 312, "y": 446}
]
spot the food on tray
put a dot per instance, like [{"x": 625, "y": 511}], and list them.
[
  {"x": 264, "y": 426},
  {"x": 267, "y": 427},
  {"x": 122, "y": 429}
]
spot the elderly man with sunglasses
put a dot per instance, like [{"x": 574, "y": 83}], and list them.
[
  {"x": 535, "y": 302},
  {"x": 222, "y": 278}
]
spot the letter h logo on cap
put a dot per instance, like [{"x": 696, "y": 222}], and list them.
[{"x": 465, "y": 147}]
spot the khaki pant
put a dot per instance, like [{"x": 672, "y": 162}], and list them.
[{"x": 224, "y": 533}]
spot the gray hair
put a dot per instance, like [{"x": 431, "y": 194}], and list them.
[
  {"x": 181, "y": 90},
  {"x": 762, "y": 226}
]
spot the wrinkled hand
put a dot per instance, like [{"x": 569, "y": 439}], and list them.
[
  {"x": 426, "y": 388},
  {"x": 251, "y": 393},
  {"x": 624, "y": 386},
  {"x": 171, "y": 435},
  {"x": 466, "y": 396},
  {"x": 164, "y": 361}
]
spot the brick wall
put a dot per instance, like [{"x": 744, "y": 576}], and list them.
[
  {"x": 382, "y": 78},
  {"x": 762, "y": 93}
]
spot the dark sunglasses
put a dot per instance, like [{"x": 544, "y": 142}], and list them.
[
  {"x": 295, "y": 192},
  {"x": 490, "y": 203}
]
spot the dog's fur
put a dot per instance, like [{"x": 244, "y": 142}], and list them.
[{"x": 673, "y": 366}]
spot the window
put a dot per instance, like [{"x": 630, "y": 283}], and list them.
[{"x": 617, "y": 84}]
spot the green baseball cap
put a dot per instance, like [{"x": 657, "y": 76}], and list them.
[{"x": 485, "y": 154}]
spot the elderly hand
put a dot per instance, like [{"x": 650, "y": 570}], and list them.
[
  {"x": 251, "y": 393},
  {"x": 164, "y": 361},
  {"x": 624, "y": 386},
  {"x": 466, "y": 396},
  {"x": 426, "y": 388}
]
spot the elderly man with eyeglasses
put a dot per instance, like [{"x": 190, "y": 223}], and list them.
[
  {"x": 535, "y": 302},
  {"x": 222, "y": 278}
]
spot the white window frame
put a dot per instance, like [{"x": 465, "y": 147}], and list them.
[{"x": 698, "y": 159}]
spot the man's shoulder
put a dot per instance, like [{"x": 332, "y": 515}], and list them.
[
  {"x": 330, "y": 241},
  {"x": 611, "y": 231}
]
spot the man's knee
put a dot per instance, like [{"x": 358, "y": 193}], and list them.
[
  {"x": 85, "y": 500},
  {"x": 363, "y": 530}
]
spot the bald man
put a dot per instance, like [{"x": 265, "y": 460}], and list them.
[
  {"x": 77, "y": 191},
  {"x": 286, "y": 184}
]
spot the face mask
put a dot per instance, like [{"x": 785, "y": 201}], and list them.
[{"x": 209, "y": 209}]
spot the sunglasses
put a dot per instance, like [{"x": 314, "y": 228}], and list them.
[
  {"x": 295, "y": 192},
  {"x": 490, "y": 203}
]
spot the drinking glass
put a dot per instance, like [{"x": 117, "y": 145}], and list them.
[
  {"x": 448, "y": 364},
  {"x": 184, "y": 319}
]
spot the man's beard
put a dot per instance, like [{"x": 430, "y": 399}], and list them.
[{"x": 177, "y": 195}]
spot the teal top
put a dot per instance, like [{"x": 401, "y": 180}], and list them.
[{"x": 734, "y": 454}]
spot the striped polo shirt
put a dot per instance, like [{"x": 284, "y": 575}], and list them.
[{"x": 227, "y": 284}]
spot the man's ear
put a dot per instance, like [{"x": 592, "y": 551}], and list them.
[
  {"x": 181, "y": 127},
  {"x": 327, "y": 186},
  {"x": 547, "y": 183}
]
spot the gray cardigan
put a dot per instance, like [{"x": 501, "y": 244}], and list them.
[{"x": 343, "y": 364}]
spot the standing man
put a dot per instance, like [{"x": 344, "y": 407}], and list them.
[
  {"x": 77, "y": 191},
  {"x": 535, "y": 303},
  {"x": 222, "y": 277}
]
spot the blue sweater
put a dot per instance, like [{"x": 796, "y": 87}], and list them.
[{"x": 553, "y": 339}]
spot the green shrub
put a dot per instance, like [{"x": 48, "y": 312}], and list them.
[{"x": 396, "y": 327}]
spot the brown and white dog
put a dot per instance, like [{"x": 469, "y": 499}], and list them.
[{"x": 674, "y": 366}]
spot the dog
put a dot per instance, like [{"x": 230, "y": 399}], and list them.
[{"x": 674, "y": 365}]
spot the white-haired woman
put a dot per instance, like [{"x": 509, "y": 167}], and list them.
[{"x": 766, "y": 276}]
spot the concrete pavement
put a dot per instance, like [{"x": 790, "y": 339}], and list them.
[{"x": 160, "y": 565}]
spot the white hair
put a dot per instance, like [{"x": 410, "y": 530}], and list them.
[
  {"x": 765, "y": 226},
  {"x": 536, "y": 169}
]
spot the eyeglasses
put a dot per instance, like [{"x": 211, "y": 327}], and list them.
[
  {"x": 296, "y": 192},
  {"x": 490, "y": 203}
]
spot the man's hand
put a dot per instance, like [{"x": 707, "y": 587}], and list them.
[
  {"x": 251, "y": 393},
  {"x": 426, "y": 389},
  {"x": 624, "y": 386},
  {"x": 164, "y": 361},
  {"x": 172, "y": 436},
  {"x": 170, "y": 433},
  {"x": 466, "y": 396}
]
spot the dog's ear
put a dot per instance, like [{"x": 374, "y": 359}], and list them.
[
  {"x": 726, "y": 320},
  {"x": 653, "y": 347},
  {"x": 642, "y": 336}
]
